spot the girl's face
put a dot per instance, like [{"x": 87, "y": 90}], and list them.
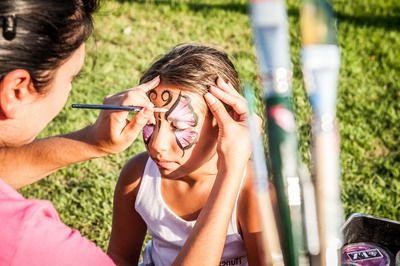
[{"x": 185, "y": 137}]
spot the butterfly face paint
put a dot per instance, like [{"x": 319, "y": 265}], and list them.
[
  {"x": 183, "y": 119},
  {"x": 180, "y": 116},
  {"x": 148, "y": 132}
]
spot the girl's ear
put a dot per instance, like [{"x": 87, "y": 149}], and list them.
[{"x": 16, "y": 90}]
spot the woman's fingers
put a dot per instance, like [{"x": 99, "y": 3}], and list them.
[
  {"x": 137, "y": 123},
  {"x": 223, "y": 96},
  {"x": 145, "y": 87},
  {"x": 217, "y": 109},
  {"x": 227, "y": 87},
  {"x": 114, "y": 132},
  {"x": 150, "y": 84},
  {"x": 128, "y": 98},
  {"x": 238, "y": 104}
]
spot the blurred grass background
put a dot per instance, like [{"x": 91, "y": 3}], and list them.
[{"x": 131, "y": 34}]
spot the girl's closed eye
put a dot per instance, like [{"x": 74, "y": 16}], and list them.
[
  {"x": 185, "y": 134},
  {"x": 181, "y": 114},
  {"x": 183, "y": 120},
  {"x": 180, "y": 125}
]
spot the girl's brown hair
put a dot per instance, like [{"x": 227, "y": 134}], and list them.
[{"x": 193, "y": 66}]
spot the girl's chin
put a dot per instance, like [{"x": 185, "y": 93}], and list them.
[{"x": 169, "y": 173}]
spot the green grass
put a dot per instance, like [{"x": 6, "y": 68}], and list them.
[{"x": 368, "y": 101}]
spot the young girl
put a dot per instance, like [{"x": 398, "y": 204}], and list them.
[{"x": 163, "y": 190}]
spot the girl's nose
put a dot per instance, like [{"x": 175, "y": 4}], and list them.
[{"x": 161, "y": 140}]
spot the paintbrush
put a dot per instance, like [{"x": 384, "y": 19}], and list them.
[{"x": 131, "y": 108}]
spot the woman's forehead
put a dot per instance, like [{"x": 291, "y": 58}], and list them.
[{"x": 166, "y": 95}]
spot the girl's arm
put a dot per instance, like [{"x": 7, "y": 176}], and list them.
[
  {"x": 205, "y": 244},
  {"x": 128, "y": 228}
]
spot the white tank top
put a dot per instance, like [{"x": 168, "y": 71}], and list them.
[{"x": 169, "y": 231}]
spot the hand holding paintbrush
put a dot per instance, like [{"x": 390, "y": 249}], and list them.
[
  {"x": 113, "y": 132},
  {"x": 130, "y": 108}
]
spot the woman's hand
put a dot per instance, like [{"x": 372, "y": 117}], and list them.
[
  {"x": 113, "y": 132},
  {"x": 233, "y": 146}
]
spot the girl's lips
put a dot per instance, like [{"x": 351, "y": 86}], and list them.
[{"x": 165, "y": 164}]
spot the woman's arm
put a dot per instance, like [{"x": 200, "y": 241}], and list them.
[
  {"x": 21, "y": 166},
  {"x": 128, "y": 228},
  {"x": 112, "y": 133}
]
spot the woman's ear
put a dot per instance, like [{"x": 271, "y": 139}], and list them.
[{"x": 16, "y": 90}]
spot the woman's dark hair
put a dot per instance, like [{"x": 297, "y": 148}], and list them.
[
  {"x": 193, "y": 66},
  {"x": 47, "y": 33}
]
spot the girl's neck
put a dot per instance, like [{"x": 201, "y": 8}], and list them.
[{"x": 207, "y": 170}]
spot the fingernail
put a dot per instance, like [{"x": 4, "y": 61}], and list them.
[
  {"x": 210, "y": 98},
  {"x": 156, "y": 79},
  {"x": 221, "y": 80}
]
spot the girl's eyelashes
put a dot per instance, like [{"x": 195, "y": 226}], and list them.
[{"x": 180, "y": 125}]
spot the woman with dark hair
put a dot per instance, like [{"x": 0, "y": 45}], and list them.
[{"x": 41, "y": 51}]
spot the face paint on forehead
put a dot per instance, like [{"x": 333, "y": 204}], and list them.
[
  {"x": 182, "y": 116},
  {"x": 166, "y": 96}
]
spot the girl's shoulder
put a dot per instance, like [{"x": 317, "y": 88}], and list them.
[
  {"x": 247, "y": 201},
  {"x": 247, "y": 187},
  {"x": 132, "y": 172}
]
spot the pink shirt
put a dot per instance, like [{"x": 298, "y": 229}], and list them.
[{"x": 31, "y": 233}]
